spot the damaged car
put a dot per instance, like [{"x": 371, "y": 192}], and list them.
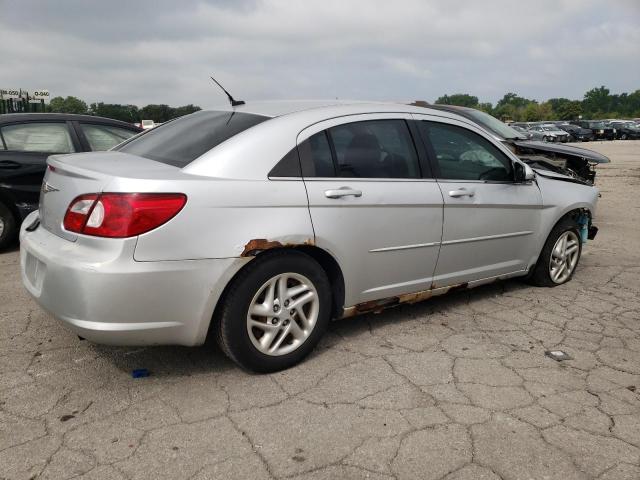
[
  {"x": 576, "y": 162},
  {"x": 256, "y": 225}
]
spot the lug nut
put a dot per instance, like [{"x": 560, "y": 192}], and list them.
[
  {"x": 286, "y": 303},
  {"x": 292, "y": 312},
  {"x": 274, "y": 321},
  {"x": 286, "y": 322},
  {"x": 276, "y": 308}
]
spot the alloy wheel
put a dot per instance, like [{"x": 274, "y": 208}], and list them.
[
  {"x": 282, "y": 314},
  {"x": 1, "y": 226},
  {"x": 564, "y": 257}
]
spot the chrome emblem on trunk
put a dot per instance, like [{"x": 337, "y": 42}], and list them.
[{"x": 46, "y": 188}]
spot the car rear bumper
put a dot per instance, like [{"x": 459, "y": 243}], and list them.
[{"x": 99, "y": 292}]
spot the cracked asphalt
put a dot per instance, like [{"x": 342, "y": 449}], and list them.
[{"x": 457, "y": 387}]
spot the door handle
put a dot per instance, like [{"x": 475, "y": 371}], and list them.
[
  {"x": 462, "y": 192},
  {"x": 8, "y": 164},
  {"x": 342, "y": 192}
]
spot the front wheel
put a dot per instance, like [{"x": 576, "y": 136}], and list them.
[
  {"x": 8, "y": 227},
  {"x": 274, "y": 312},
  {"x": 559, "y": 257}
]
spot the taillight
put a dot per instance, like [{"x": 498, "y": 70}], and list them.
[{"x": 120, "y": 215}]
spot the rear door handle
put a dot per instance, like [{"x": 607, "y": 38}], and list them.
[
  {"x": 8, "y": 164},
  {"x": 342, "y": 192},
  {"x": 462, "y": 192}
]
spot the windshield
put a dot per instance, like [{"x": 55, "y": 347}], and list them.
[
  {"x": 496, "y": 126},
  {"x": 181, "y": 141},
  {"x": 596, "y": 125}
]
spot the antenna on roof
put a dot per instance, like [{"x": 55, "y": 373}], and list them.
[{"x": 232, "y": 101}]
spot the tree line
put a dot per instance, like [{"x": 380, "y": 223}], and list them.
[
  {"x": 127, "y": 113},
  {"x": 597, "y": 103}
]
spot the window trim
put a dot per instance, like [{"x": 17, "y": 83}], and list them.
[
  {"x": 435, "y": 166},
  {"x": 75, "y": 141}
]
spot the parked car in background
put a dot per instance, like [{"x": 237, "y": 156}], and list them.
[
  {"x": 576, "y": 133},
  {"x": 548, "y": 132},
  {"x": 598, "y": 128},
  {"x": 147, "y": 124},
  {"x": 567, "y": 159},
  {"x": 525, "y": 133},
  {"x": 27, "y": 139},
  {"x": 626, "y": 129},
  {"x": 224, "y": 223}
]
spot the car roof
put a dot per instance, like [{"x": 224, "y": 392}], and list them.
[
  {"x": 324, "y": 108},
  {"x": 43, "y": 117}
]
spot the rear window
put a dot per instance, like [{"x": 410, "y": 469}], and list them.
[{"x": 181, "y": 141}]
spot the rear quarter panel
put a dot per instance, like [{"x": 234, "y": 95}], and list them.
[{"x": 224, "y": 218}]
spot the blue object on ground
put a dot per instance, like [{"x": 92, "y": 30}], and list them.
[{"x": 139, "y": 373}]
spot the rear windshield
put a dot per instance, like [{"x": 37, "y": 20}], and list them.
[{"x": 181, "y": 141}]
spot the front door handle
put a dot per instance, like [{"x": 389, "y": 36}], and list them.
[
  {"x": 462, "y": 192},
  {"x": 342, "y": 192}
]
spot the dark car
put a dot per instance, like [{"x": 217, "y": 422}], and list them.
[
  {"x": 576, "y": 162},
  {"x": 626, "y": 129},
  {"x": 600, "y": 130},
  {"x": 27, "y": 139},
  {"x": 577, "y": 133}
]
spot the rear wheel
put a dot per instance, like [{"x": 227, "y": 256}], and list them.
[
  {"x": 274, "y": 312},
  {"x": 8, "y": 227},
  {"x": 559, "y": 257}
]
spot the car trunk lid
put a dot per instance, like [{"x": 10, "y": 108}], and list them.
[{"x": 69, "y": 176}]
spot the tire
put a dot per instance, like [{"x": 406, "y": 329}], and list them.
[
  {"x": 541, "y": 273},
  {"x": 241, "y": 334},
  {"x": 8, "y": 227}
]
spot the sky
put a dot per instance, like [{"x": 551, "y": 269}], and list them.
[{"x": 163, "y": 51}]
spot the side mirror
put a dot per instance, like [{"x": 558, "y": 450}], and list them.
[{"x": 523, "y": 172}]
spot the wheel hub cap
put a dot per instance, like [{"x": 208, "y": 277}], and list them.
[
  {"x": 564, "y": 257},
  {"x": 274, "y": 330}
]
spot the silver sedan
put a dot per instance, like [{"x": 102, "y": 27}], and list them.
[{"x": 257, "y": 225}]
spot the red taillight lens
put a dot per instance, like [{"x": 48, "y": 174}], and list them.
[{"x": 120, "y": 215}]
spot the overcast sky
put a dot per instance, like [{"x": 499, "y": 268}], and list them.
[{"x": 163, "y": 51}]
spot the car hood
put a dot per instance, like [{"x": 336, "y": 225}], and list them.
[
  {"x": 558, "y": 176},
  {"x": 565, "y": 150}
]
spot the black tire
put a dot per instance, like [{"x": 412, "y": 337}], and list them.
[
  {"x": 540, "y": 275},
  {"x": 230, "y": 320},
  {"x": 9, "y": 227}
]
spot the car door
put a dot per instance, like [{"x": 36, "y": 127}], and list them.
[
  {"x": 490, "y": 221},
  {"x": 25, "y": 148},
  {"x": 372, "y": 203}
]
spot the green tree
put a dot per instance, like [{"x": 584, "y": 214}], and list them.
[
  {"x": 596, "y": 102},
  {"x": 184, "y": 110},
  {"x": 460, "y": 99},
  {"x": 158, "y": 113},
  {"x": 67, "y": 105},
  {"x": 486, "y": 107},
  {"x": 125, "y": 113}
]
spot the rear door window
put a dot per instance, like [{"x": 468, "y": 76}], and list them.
[
  {"x": 181, "y": 141},
  {"x": 374, "y": 149},
  {"x": 43, "y": 137},
  {"x": 104, "y": 137}
]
